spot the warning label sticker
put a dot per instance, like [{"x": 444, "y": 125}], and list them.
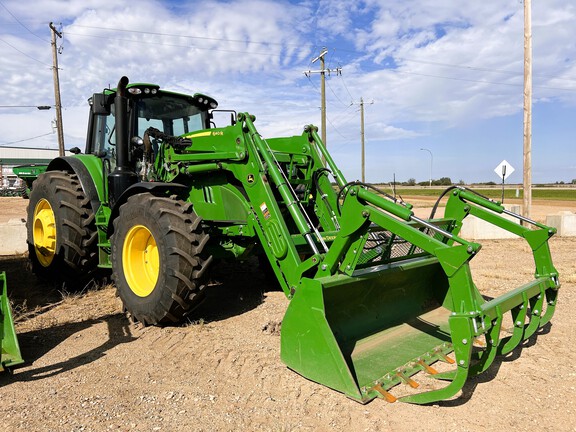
[{"x": 265, "y": 211}]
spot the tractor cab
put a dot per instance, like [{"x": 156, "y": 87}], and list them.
[{"x": 170, "y": 113}]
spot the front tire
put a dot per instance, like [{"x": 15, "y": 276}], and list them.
[
  {"x": 157, "y": 260},
  {"x": 61, "y": 230}
]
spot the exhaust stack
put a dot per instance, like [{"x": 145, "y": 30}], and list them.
[{"x": 122, "y": 177}]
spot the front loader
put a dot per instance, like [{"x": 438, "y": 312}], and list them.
[
  {"x": 9, "y": 349},
  {"x": 376, "y": 294}
]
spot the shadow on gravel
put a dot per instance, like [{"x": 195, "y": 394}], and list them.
[
  {"x": 236, "y": 287},
  {"x": 25, "y": 290},
  {"x": 35, "y": 344}
]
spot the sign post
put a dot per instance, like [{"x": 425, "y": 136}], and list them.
[{"x": 503, "y": 170}]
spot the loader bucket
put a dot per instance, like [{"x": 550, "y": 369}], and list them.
[
  {"x": 363, "y": 331},
  {"x": 345, "y": 331},
  {"x": 10, "y": 350}
]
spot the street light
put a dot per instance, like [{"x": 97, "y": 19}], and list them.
[{"x": 431, "y": 161}]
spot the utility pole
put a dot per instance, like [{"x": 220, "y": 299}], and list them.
[
  {"x": 322, "y": 73},
  {"x": 362, "y": 138},
  {"x": 527, "y": 196},
  {"x": 57, "y": 89}
]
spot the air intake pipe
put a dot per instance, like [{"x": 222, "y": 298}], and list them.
[{"x": 122, "y": 177}]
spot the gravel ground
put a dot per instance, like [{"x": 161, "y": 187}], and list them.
[{"x": 89, "y": 369}]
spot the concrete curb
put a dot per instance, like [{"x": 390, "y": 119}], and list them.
[
  {"x": 564, "y": 222},
  {"x": 13, "y": 233},
  {"x": 13, "y": 237}
]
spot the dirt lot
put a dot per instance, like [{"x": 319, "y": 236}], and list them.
[{"x": 89, "y": 369}]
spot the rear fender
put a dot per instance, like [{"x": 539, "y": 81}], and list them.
[{"x": 88, "y": 168}]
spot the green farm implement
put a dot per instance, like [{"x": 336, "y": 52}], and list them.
[
  {"x": 28, "y": 173},
  {"x": 9, "y": 348},
  {"x": 377, "y": 294}
]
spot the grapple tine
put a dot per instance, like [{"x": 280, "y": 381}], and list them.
[
  {"x": 551, "y": 300},
  {"x": 536, "y": 305},
  {"x": 491, "y": 350},
  {"x": 518, "y": 316}
]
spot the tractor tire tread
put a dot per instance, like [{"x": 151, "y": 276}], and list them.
[
  {"x": 75, "y": 260},
  {"x": 178, "y": 289}
]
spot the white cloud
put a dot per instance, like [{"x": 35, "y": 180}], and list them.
[{"x": 429, "y": 65}]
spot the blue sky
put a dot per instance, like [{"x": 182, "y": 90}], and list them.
[{"x": 441, "y": 75}]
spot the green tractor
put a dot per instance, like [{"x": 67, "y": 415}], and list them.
[{"x": 377, "y": 294}]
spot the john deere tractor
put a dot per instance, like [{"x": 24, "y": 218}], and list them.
[{"x": 377, "y": 294}]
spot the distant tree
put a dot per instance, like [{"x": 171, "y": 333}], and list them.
[
  {"x": 443, "y": 181},
  {"x": 574, "y": 181},
  {"x": 461, "y": 183},
  {"x": 411, "y": 182}
]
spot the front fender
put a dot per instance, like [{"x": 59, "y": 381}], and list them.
[{"x": 154, "y": 188}]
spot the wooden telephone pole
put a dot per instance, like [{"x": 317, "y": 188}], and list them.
[
  {"x": 322, "y": 73},
  {"x": 362, "y": 138},
  {"x": 59, "y": 125},
  {"x": 527, "y": 196}
]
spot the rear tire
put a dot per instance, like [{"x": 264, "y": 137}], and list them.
[
  {"x": 157, "y": 261},
  {"x": 61, "y": 230}
]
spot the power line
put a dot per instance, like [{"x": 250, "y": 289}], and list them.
[
  {"x": 25, "y": 139},
  {"x": 40, "y": 107},
  {"x": 170, "y": 45},
  {"x": 22, "y": 24},
  {"x": 478, "y": 68},
  {"x": 184, "y": 36},
  {"x": 335, "y": 95},
  {"x": 346, "y": 87},
  {"x": 479, "y": 81},
  {"x": 23, "y": 53},
  {"x": 450, "y": 65}
]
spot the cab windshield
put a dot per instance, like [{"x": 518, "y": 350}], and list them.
[{"x": 171, "y": 115}]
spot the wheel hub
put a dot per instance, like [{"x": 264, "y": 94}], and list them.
[
  {"x": 140, "y": 260},
  {"x": 44, "y": 232}
]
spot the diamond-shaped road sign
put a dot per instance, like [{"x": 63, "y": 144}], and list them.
[{"x": 504, "y": 169}]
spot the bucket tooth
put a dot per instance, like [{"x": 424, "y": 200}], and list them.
[
  {"x": 407, "y": 380},
  {"x": 443, "y": 357},
  {"x": 427, "y": 367},
  {"x": 387, "y": 396},
  {"x": 479, "y": 343}
]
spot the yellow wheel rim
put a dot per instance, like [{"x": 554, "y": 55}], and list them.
[
  {"x": 140, "y": 260},
  {"x": 44, "y": 232}
]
